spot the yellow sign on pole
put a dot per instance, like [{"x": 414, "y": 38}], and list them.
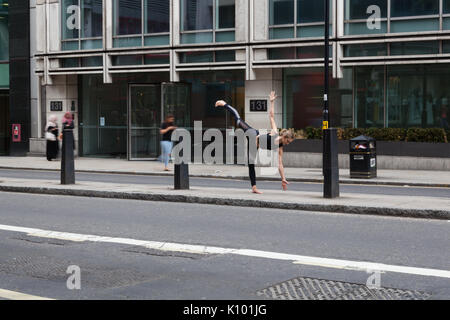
[{"x": 325, "y": 125}]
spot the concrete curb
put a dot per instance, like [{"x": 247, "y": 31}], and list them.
[
  {"x": 245, "y": 178},
  {"x": 380, "y": 211}
]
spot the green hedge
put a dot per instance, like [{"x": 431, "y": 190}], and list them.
[{"x": 434, "y": 135}]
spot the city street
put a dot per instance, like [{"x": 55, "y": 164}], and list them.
[{"x": 212, "y": 252}]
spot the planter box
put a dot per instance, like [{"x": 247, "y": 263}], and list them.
[{"x": 384, "y": 148}]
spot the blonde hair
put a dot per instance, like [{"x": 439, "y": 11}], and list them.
[{"x": 287, "y": 133}]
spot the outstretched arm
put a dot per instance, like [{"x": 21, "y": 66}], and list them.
[
  {"x": 272, "y": 98},
  {"x": 284, "y": 182}
]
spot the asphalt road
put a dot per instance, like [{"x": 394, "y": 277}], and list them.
[
  {"x": 227, "y": 183},
  {"x": 109, "y": 270}
]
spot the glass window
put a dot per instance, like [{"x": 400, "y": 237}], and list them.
[
  {"x": 365, "y": 50},
  {"x": 225, "y": 14},
  {"x": 128, "y": 17},
  {"x": 359, "y": 9},
  {"x": 369, "y": 97},
  {"x": 157, "y": 16},
  {"x": 418, "y": 96},
  {"x": 156, "y": 58},
  {"x": 70, "y": 19},
  {"x": 82, "y": 19},
  {"x": 303, "y": 102},
  {"x": 446, "y": 6},
  {"x": 412, "y": 48},
  {"x": 208, "y": 17},
  {"x": 406, "y": 8},
  {"x": 446, "y": 47},
  {"x": 127, "y": 60},
  {"x": 197, "y": 15},
  {"x": 4, "y": 31},
  {"x": 281, "y": 53},
  {"x": 91, "y": 16},
  {"x": 310, "y": 11},
  {"x": 281, "y": 12},
  {"x": 196, "y": 57}
]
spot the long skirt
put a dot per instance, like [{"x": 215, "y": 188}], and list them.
[{"x": 52, "y": 150}]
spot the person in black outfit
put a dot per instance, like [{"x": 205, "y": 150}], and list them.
[
  {"x": 51, "y": 135},
  {"x": 271, "y": 141},
  {"x": 167, "y": 127}
]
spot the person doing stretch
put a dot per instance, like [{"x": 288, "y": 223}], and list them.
[{"x": 275, "y": 139}]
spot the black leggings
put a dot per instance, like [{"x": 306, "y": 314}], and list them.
[{"x": 254, "y": 133}]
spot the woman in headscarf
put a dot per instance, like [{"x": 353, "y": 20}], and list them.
[
  {"x": 51, "y": 135},
  {"x": 67, "y": 121}
]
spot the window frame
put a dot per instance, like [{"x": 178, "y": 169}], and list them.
[
  {"x": 80, "y": 39},
  {"x": 296, "y": 25},
  {"x": 439, "y": 17},
  {"x": 212, "y": 31},
  {"x": 143, "y": 35}
]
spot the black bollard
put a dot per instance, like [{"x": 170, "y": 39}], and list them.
[
  {"x": 330, "y": 164},
  {"x": 181, "y": 176},
  {"x": 67, "y": 159}
]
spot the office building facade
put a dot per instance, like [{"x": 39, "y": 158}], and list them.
[{"x": 121, "y": 65}]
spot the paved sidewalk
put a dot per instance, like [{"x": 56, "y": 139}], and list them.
[
  {"x": 404, "y": 206},
  {"x": 385, "y": 177}
]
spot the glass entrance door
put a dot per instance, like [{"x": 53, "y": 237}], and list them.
[{"x": 147, "y": 107}]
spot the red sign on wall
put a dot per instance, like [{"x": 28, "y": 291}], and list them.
[{"x": 16, "y": 133}]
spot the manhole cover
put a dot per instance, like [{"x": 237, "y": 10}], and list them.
[{"x": 317, "y": 289}]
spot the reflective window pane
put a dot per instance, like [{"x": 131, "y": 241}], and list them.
[
  {"x": 364, "y": 9},
  {"x": 446, "y": 6},
  {"x": 418, "y": 96},
  {"x": 70, "y": 19},
  {"x": 127, "y": 60},
  {"x": 128, "y": 18},
  {"x": 310, "y": 11},
  {"x": 4, "y": 33},
  {"x": 197, "y": 15},
  {"x": 281, "y": 53},
  {"x": 281, "y": 12},
  {"x": 405, "y": 8},
  {"x": 157, "y": 16},
  {"x": 91, "y": 16},
  {"x": 412, "y": 48},
  {"x": 369, "y": 97},
  {"x": 196, "y": 57},
  {"x": 225, "y": 56},
  {"x": 365, "y": 50},
  {"x": 303, "y": 89},
  {"x": 225, "y": 14}
]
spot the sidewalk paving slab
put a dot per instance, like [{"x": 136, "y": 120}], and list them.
[{"x": 120, "y": 166}]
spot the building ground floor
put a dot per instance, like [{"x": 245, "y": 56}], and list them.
[
  {"x": 4, "y": 122},
  {"x": 122, "y": 119}
]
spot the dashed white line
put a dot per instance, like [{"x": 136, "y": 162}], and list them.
[{"x": 202, "y": 249}]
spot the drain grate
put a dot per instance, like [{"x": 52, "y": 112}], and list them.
[{"x": 317, "y": 289}]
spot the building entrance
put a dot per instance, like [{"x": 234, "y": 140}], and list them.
[{"x": 148, "y": 105}]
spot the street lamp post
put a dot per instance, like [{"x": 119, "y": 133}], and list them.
[{"x": 330, "y": 153}]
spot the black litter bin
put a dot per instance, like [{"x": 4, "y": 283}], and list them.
[{"x": 363, "y": 157}]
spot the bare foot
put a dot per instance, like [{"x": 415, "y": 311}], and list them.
[
  {"x": 255, "y": 190},
  {"x": 166, "y": 169}
]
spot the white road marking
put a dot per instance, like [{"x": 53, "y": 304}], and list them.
[
  {"x": 200, "y": 249},
  {"x": 13, "y": 295}
]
